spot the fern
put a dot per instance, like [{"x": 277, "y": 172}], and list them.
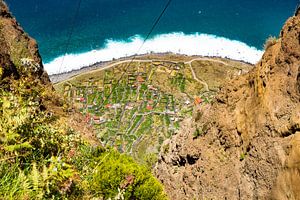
[
  {"x": 25, "y": 184},
  {"x": 35, "y": 177},
  {"x": 45, "y": 179}
]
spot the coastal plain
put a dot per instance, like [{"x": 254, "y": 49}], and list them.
[{"x": 135, "y": 104}]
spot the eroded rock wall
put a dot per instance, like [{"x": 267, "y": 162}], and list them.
[{"x": 248, "y": 148}]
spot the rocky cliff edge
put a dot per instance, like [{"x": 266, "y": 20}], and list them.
[
  {"x": 19, "y": 54},
  {"x": 247, "y": 144}
]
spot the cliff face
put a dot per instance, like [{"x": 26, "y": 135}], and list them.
[
  {"x": 20, "y": 62},
  {"x": 249, "y": 147},
  {"x": 18, "y": 53}
]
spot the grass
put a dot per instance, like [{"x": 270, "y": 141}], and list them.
[{"x": 42, "y": 157}]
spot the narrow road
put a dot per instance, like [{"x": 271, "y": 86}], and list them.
[
  {"x": 203, "y": 59},
  {"x": 207, "y": 59},
  {"x": 196, "y": 78}
]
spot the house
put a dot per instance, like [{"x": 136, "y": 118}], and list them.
[
  {"x": 117, "y": 105},
  {"x": 140, "y": 79},
  {"x": 98, "y": 120},
  {"x": 128, "y": 107},
  {"x": 77, "y": 98},
  {"x": 151, "y": 87},
  {"x": 187, "y": 102},
  {"x": 169, "y": 112},
  {"x": 88, "y": 118},
  {"x": 82, "y": 99},
  {"x": 177, "y": 67},
  {"x": 149, "y": 107},
  {"x": 197, "y": 101},
  {"x": 108, "y": 106}
]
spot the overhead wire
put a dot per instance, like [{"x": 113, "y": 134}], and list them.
[
  {"x": 135, "y": 55},
  {"x": 69, "y": 38}
]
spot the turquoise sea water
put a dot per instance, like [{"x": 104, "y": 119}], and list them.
[{"x": 49, "y": 21}]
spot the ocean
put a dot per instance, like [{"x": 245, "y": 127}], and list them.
[{"x": 107, "y": 29}]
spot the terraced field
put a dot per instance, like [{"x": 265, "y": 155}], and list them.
[{"x": 135, "y": 106}]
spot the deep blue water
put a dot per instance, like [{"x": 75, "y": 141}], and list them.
[{"x": 49, "y": 21}]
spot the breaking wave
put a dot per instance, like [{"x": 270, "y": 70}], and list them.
[{"x": 188, "y": 44}]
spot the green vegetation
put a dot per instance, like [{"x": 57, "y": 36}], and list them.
[
  {"x": 139, "y": 105},
  {"x": 270, "y": 42},
  {"x": 198, "y": 132},
  {"x": 41, "y": 157},
  {"x": 121, "y": 173},
  {"x": 242, "y": 156}
]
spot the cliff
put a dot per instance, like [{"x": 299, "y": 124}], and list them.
[
  {"x": 19, "y": 53},
  {"x": 247, "y": 141}
]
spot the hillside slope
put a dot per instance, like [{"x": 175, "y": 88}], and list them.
[
  {"x": 18, "y": 51},
  {"x": 247, "y": 141},
  {"x": 46, "y": 149}
]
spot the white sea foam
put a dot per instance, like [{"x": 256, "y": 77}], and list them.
[{"x": 193, "y": 44}]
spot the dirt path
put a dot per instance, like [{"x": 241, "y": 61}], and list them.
[{"x": 196, "y": 78}]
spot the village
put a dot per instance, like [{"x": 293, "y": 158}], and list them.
[{"x": 127, "y": 111}]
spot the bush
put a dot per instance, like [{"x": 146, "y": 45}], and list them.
[
  {"x": 115, "y": 172},
  {"x": 42, "y": 158},
  {"x": 270, "y": 42},
  {"x": 198, "y": 132}
]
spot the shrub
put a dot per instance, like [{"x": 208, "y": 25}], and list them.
[
  {"x": 115, "y": 172},
  {"x": 42, "y": 158},
  {"x": 270, "y": 42},
  {"x": 198, "y": 132}
]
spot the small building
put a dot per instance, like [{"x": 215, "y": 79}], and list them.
[
  {"x": 108, "y": 106},
  {"x": 99, "y": 120},
  {"x": 177, "y": 67},
  {"x": 117, "y": 105},
  {"x": 187, "y": 102},
  {"x": 169, "y": 112},
  {"x": 140, "y": 79},
  {"x": 128, "y": 107},
  {"x": 197, "y": 101},
  {"x": 82, "y": 99},
  {"x": 151, "y": 87},
  {"x": 149, "y": 107}
]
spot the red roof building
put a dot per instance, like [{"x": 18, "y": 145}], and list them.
[
  {"x": 149, "y": 107},
  {"x": 197, "y": 101},
  {"x": 108, "y": 106},
  {"x": 140, "y": 79}
]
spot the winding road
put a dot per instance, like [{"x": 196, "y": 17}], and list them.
[{"x": 155, "y": 60}]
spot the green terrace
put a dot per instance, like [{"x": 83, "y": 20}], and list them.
[{"x": 136, "y": 108}]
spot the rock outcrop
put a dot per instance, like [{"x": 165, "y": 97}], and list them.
[
  {"x": 247, "y": 144},
  {"x": 18, "y": 53}
]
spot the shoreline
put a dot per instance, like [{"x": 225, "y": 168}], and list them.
[
  {"x": 57, "y": 78},
  {"x": 177, "y": 43}
]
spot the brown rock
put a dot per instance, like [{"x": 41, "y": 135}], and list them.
[
  {"x": 16, "y": 45},
  {"x": 249, "y": 147}
]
